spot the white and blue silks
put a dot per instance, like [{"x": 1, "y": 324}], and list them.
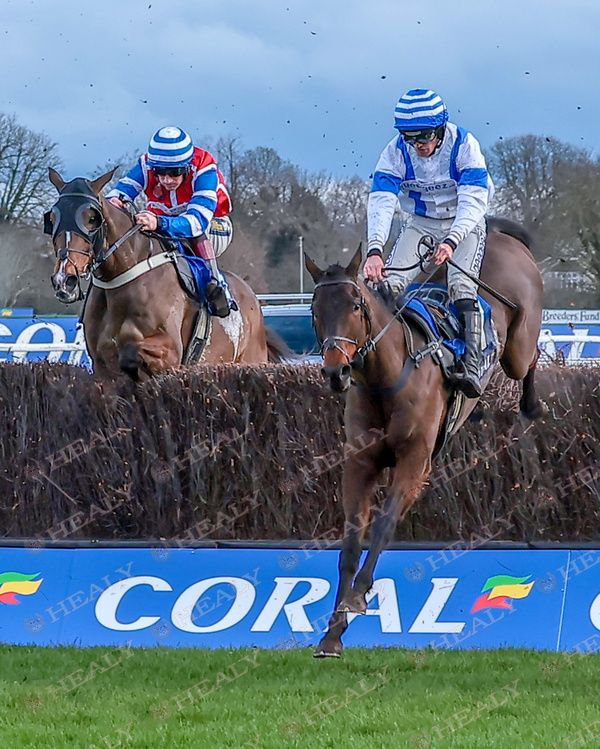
[
  {"x": 420, "y": 109},
  {"x": 452, "y": 183},
  {"x": 445, "y": 195}
]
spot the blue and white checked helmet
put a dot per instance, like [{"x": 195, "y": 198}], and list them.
[
  {"x": 420, "y": 109},
  {"x": 170, "y": 146}
]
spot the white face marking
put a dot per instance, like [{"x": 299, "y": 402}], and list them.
[{"x": 61, "y": 273}]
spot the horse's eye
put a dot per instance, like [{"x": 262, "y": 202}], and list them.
[
  {"x": 93, "y": 219},
  {"x": 356, "y": 307}
]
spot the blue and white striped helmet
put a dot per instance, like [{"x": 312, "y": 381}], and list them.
[
  {"x": 420, "y": 109},
  {"x": 170, "y": 146}
]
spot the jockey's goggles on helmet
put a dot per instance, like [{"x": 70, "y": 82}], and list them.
[
  {"x": 170, "y": 171},
  {"x": 420, "y": 136}
]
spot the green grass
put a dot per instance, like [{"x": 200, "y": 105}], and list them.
[{"x": 375, "y": 699}]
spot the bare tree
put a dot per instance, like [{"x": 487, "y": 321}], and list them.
[
  {"x": 347, "y": 201},
  {"x": 553, "y": 188},
  {"x": 530, "y": 173},
  {"x": 122, "y": 164},
  {"x": 24, "y": 158},
  {"x": 26, "y": 263}
]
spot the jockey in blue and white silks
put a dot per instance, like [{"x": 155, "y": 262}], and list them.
[
  {"x": 438, "y": 173},
  {"x": 186, "y": 198}
]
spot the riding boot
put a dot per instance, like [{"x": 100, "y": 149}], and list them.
[
  {"x": 216, "y": 298},
  {"x": 470, "y": 318}
]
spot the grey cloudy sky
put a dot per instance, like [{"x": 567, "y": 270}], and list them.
[{"x": 317, "y": 80}]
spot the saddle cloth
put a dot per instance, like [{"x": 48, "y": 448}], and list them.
[
  {"x": 430, "y": 308},
  {"x": 194, "y": 275}
]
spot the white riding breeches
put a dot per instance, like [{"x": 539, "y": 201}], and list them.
[
  {"x": 220, "y": 233},
  {"x": 468, "y": 254}
]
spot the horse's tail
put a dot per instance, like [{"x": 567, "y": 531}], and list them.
[
  {"x": 130, "y": 360},
  {"x": 512, "y": 228},
  {"x": 277, "y": 349}
]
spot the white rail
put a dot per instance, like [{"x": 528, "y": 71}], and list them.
[
  {"x": 292, "y": 297},
  {"x": 34, "y": 347}
]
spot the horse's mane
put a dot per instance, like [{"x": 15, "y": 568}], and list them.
[
  {"x": 334, "y": 273},
  {"x": 380, "y": 295}
]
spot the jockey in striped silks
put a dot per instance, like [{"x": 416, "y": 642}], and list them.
[
  {"x": 187, "y": 199},
  {"x": 437, "y": 172}
]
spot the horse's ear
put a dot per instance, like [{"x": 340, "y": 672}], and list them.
[
  {"x": 56, "y": 179},
  {"x": 354, "y": 265},
  {"x": 313, "y": 268},
  {"x": 102, "y": 180}
]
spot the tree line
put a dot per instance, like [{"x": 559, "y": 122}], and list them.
[{"x": 549, "y": 186}]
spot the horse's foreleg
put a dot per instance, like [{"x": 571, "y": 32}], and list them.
[
  {"x": 149, "y": 356},
  {"x": 358, "y": 486},
  {"x": 410, "y": 474}
]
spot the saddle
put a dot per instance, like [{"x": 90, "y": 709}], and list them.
[{"x": 430, "y": 312}]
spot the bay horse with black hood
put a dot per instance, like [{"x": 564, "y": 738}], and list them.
[
  {"x": 137, "y": 318},
  {"x": 408, "y": 405}
]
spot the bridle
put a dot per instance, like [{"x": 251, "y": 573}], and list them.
[
  {"x": 66, "y": 216},
  {"x": 331, "y": 343},
  {"x": 370, "y": 344}
]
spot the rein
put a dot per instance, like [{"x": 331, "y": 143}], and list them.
[
  {"x": 371, "y": 343},
  {"x": 114, "y": 247},
  {"x": 427, "y": 241},
  {"x": 331, "y": 342}
]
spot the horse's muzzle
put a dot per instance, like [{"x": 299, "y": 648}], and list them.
[
  {"x": 66, "y": 288},
  {"x": 340, "y": 377}
]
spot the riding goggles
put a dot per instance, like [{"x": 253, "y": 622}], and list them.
[
  {"x": 419, "y": 136},
  {"x": 170, "y": 171}
]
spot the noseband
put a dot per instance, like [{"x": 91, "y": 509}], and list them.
[{"x": 332, "y": 342}]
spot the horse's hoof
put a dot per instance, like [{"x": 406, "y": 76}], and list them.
[
  {"x": 327, "y": 649},
  {"x": 539, "y": 410},
  {"x": 354, "y": 605}
]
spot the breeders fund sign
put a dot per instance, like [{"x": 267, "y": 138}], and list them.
[{"x": 278, "y": 598}]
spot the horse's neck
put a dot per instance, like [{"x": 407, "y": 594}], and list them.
[
  {"x": 132, "y": 251},
  {"x": 383, "y": 366}
]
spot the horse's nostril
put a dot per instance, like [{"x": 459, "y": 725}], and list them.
[
  {"x": 345, "y": 371},
  {"x": 71, "y": 283}
]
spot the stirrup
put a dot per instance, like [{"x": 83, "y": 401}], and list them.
[{"x": 467, "y": 383}]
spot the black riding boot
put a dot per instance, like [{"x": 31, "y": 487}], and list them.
[
  {"x": 470, "y": 318},
  {"x": 215, "y": 294},
  {"x": 217, "y": 299}
]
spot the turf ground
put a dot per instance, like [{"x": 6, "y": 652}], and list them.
[{"x": 252, "y": 699}]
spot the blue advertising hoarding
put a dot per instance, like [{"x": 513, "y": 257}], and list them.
[
  {"x": 581, "y": 623},
  {"x": 59, "y": 331},
  {"x": 577, "y": 338},
  {"x": 282, "y": 598}
]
